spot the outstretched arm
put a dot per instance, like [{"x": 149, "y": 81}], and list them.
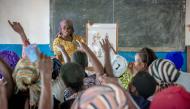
[
  {"x": 17, "y": 27},
  {"x": 98, "y": 68},
  {"x": 65, "y": 56},
  {"x": 107, "y": 62},
  {"x": 45, "y": 68}
]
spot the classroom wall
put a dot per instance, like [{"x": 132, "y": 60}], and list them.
[{"x": 34, "y": 15}]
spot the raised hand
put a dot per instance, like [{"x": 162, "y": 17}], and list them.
[
  {"x": 105, "y": 45},
  {"x": 107, "y": 62},
  {"x": 65, "y": 55},
  {"x": 45, "y": 66},
  {"x": 16, "y": 26},
  {"x": 95, "y": 62}
]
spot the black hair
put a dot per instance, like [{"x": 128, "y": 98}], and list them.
[
  {"x": 144, "y": 83},
  {"x": 80, "y": 58},
  {"x": 73, "y": 75},
  {"x": 147, "y": 55},
  {"x": 56, "y": 68}
]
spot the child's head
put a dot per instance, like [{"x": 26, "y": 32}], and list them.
[
  {"x": 80, "y": 58},
  {"x": 144, "y": 84},
  {"x": 73, "y": 75}
]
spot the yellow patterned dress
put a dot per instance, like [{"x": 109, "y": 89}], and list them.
[{"x": 70, "y": 47}]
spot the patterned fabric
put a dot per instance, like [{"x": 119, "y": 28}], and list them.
[
  {"x": 108, "y": 96},
  {"x": 68, "y": 92},
  {"x": 10, "y": 58},
  {"x": 70, "y": 47},
  {"x": 175, "y": 97},
  {"x": 164, "y": 72},
  {"x": 26, "y": 77},
  {"x": 119, "y": 65},
  {"x": 126, "y": 78},
  {"x": 87, "y": 81}
]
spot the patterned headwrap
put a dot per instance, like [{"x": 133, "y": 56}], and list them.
[
  {"x": 102, "y": 97},
  {"x": 10, "y": 58},
  {"x": 164, "y": 72},
  {"x": 26, "y": 77}
]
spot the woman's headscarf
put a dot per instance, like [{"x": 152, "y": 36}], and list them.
[
  {"x": 102, "y": 97},
  {"x": 175, "y": 97},
  {"x": 164, "y": 72}
]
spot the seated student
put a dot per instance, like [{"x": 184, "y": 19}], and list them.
[
  {"x": 66, "y": 38},
  {"x": 79, "y": 73},
  {"x": 80, "y": 58},
  {"x": 113, "y": 96},
  {"x": 107, "y": 95},
  {"x": 26, "y": 75},
  {"x": 17, "y": 27},
  {"x": 143, "y": 59},
  {"x": 176, "y": 58},
  {"x": 174, "y": 97},
  {"x": 144, "y": 84},
  {"x": 142, "y": 87},
  {"x": 72, "y": 75},
  {"x": 166, "y": 74}
]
